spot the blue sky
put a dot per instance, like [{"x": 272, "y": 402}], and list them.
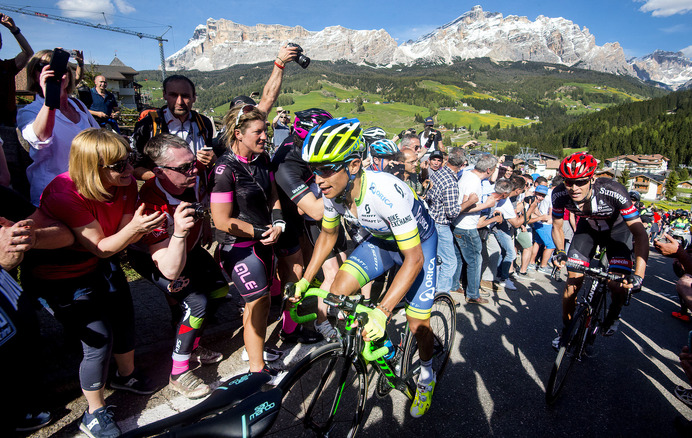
[{"x": 640, "y": 26}]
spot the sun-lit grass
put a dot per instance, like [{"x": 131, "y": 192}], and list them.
[{"x": 453, "y": 90}]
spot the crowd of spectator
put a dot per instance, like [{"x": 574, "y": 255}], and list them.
[{"x": 83, "y": 208}]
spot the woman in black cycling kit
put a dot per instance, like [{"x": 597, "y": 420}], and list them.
[{"x": 245, "y": 205}]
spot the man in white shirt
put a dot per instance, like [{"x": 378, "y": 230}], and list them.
[{"x": 465, "y": 229}]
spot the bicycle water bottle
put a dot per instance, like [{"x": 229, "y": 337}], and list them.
[{"x": 392, "y": 349}]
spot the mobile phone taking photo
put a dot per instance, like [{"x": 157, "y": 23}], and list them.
[{"x": 58, "y": 63}]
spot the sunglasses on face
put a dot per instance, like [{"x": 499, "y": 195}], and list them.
[
  {"x": 119, "y": 166},
  {"x": 185, "y": 169},
  {"x": 325, "y": 171},
  {"x": 577, "y": 182},
  {"x": 244, "y": 110}
]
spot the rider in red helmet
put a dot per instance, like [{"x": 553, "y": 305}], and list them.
[{"x": 608, "y": 218}]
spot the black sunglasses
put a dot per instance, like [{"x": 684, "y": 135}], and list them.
[
  {"x": 185, "y": 169},
  {"x": 325, "y": 171},
  {"x": 119, "y": 166},
  {"x": 577, "y": 182}
]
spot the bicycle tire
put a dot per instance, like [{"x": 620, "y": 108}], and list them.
[
  {"x": 570, "y": 350},
  {"x": 315, "y": 402},
  {"x": 443, "y": 323}
]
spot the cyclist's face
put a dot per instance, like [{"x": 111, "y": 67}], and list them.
[
  {"x": 334, "y": 184},
  {"x": 579, "y": 189}
]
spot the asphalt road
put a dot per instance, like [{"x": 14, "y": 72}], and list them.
[{"x": 494, "y": 384}]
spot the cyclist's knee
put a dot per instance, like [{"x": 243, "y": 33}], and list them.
[{"x": 344, "y": 284}]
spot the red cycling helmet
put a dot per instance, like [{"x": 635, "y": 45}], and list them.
[{"x": 578, "y": 165}]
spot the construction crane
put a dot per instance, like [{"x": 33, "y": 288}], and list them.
[{"x": 160, "y": 39}]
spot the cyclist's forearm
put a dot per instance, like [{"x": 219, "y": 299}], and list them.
[
  {"x": 558, "y": 235},
  {"x": 641, "y": 247},
  {"x": 323, "y": 246}
]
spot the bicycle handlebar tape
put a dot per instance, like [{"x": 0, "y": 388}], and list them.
[
  {"x": 372, "y": 355},
  {"x": 301, "y": 319}
]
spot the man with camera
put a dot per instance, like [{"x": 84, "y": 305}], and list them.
[
  {"x": 281, "y": 126},
  {"x": 172, "y": 256},
  {"x": 430, "y": 139},
  {"x": 104, "y": 104}
]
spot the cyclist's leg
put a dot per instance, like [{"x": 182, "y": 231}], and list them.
[
  {"x": 581, "y": 251},
  {"x": 420, "y": 297},
  {"x": 249, "y": 268},
  {"x": 619, "y": 251},
  {"x": 369, "y": 260}
]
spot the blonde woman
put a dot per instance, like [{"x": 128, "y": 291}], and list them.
[
  {"x": 50, "y": 131},
  {"x": 82, "y": 283},
  {"x": 245, "y": 205}
]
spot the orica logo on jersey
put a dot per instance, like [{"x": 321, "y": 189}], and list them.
[
  {"x": 428, "y": 295},
  {"x": 400, "y": 191},
  {"x": 259, "y": 410},
  {"x": 380, "y": 195},
  {"x": 429, "y": 275}
]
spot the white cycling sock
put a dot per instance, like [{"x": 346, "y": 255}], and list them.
[{"x": 426, "y": 371}]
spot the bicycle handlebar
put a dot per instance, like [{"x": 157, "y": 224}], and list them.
[
  {"x": 600, "y": 274},
  {"x": 595, "y": 272},
  {"x": 346, "y": 304}
]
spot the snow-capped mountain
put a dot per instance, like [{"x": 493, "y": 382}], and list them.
[
  {"x": 222, "y": 43},
  {"x": 671, "y": 68}
]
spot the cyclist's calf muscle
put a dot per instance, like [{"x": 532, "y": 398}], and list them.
[{"x": 569, "y": 296}]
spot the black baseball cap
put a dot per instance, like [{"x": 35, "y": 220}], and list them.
[
  {"x": 429, "y": 121},
  {"x": 245, "y": 100},
  {"x": 436, "y": 154}
]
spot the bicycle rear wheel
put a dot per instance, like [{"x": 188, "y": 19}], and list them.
[
  {"x": 443, "y": 323},
  {"x": 324, "y": 395},
  {"x": 570, "y": 350}
]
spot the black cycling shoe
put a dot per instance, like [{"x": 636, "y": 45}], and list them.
[{"x": 300, "y": 335}]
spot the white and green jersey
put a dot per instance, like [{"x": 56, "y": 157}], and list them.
[{"x": 387, "y": 208}]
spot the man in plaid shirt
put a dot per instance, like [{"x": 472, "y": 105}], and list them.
[{"x": 444, "y": 206}]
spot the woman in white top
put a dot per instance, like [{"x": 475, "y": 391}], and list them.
[{"x": 50, "y": 131}]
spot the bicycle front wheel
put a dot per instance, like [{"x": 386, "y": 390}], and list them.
[
  {"x": 324, "y": 395},
  {"x": 570, "y": 350},
  {"x": 443, "y": 324}
]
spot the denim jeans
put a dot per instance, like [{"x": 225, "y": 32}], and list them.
[
  {"x": 507, "y": 244},
  {"x": 445, "y": 253},
  {"x": 470, "y": 244}
]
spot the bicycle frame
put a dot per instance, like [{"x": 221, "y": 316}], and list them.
[{"x": 356, "y": 316}]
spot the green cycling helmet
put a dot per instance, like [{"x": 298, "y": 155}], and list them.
[{"x": 334, "y": 141}]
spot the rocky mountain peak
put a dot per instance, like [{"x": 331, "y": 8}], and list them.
[{"x": 477, "y": 33}]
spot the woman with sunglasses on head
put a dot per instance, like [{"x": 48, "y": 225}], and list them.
[
  {"x": 84, "y": 283},
  {"x": 609, "y": 219},
  {"x": 245, "y": 205},
  {"x": 50, "y": 131}
]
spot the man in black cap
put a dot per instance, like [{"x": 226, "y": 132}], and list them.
[
  {"x": 436, "y": 161},
  {"x": 430, "y": 139}
]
